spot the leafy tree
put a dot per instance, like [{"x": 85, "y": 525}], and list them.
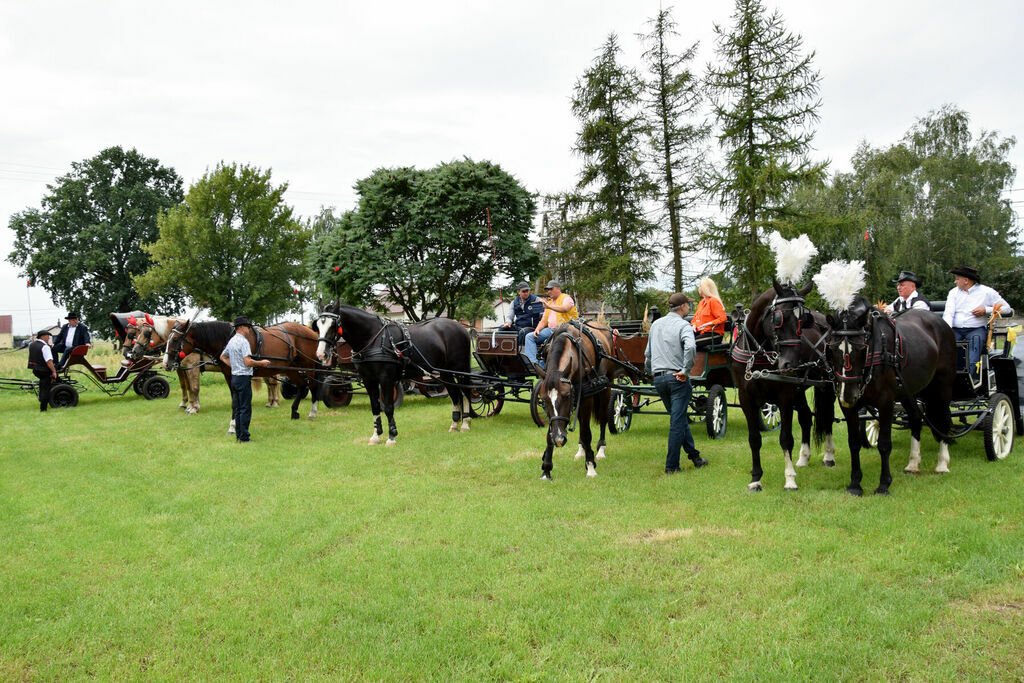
[
  {"x": 424, "y": 236},
  {"x": 673, "y": 100},
  {"x": 83, "y": 244},
  {"x": 614, "y": 238},
  {"x": 233, "y": 245},
  {"x": 764, "y": 94}
]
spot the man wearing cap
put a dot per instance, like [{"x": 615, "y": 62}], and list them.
[
  {"x": 40, "y": 362},
  {"x": 559, "y": 308},
  {"x": 238, "y": 354},
  {"x": 967, "y": 309},
  {"x": 907, "y": 283},
  {"x": 669, "y": 359},
  {"x": 72, "y": 334},
  {"x": 527, "y": 310}
]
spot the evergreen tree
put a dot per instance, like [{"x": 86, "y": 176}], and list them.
[
  {"x": 612, "y": 240},
  {"x": 764, "y": 94},
  {"x": 673, "y": 100}
]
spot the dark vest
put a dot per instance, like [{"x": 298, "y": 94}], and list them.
[
  {"x": 526, "y": 314},
  {"x": 35, "y": 355},
  {"x": 900, "y": 306}
]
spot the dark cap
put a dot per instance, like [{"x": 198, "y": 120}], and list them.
[
  {"x": 677, "y": 300},
  {"x": 522, "y": 285},
  {"x": 71, "y": 316},
  {"x": 967, "y": 272},
  {"x": 44, "y": 333},
  {"x": 908, "y": 275},
  {"x": 553, "y": 283},
  {"x": 241, "y": 320}
]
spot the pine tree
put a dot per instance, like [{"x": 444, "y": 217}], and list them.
[{"x": 764, "y": 95}]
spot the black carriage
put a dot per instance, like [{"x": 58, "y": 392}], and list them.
[{"x": 505, "y": 375}]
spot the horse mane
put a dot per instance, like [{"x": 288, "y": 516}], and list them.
[
  {"x": 211, "y": 333},
  {"x": 556, "y": 347},
  {"x": 757, "y": 309}
]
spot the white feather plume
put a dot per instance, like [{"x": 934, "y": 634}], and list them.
[
  {"x": 839, "y": 281},
  {"x": 791, "y": 256}
]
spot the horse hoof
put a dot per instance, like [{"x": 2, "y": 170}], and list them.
[
  {"x": 295, "y": 416},
  {"x": 791, "y": 487},
  {"x": 941, "y": 470},
  {"x": 881, "y": 491},
  {"x": 855, "y": 491},
  {"x": 454, "y": 427},
  {"x": 754, "y": 486},
  {"x": 911, "y": 470},
  {"x": 374, "y": 440},
  {"x": 828, "y": 463},
  {"x": 545, "y": 477},
  {"x": 183, "y": 406},
  {"x": 390, "y": 442},
  {"x": 464, "y": 428},
  {"x": 591, "y": 473},
  {"x": 802, "y": 462}
]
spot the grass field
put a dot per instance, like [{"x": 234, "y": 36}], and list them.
[{"x": 138, "y": 542}]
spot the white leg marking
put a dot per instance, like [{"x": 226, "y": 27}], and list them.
[
  {"x": 943, "y": 466},
  {"x": 231, "y": 427},
  {"x": 375, "y": 439},
  {"x": 591, "y": 470},
  {"x": 805, "y": 455},
  {"x": 465, "y": 424},
  {"x": 312, "y": 411},
  {"x": 454, "y": 427},
  {"x": 579, "y": 453},
  {"x": 829, "y": 458},
  {"x": 790, "y": 472},
  {"x": 390, "y": 442},
  {"x": 600, "y": 454},
  {"x": 754, "y": 485},
  {"x": 915, "y": 457}
]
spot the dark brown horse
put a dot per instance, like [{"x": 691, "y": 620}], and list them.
[
  {"x": 879, "y": 360},
  {"x": 777, "y": 355},
  {"x": 291, "y": 348},
  {"x": 577, "y": 386}
]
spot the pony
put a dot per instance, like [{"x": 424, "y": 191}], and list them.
[
  {"x": 878, "y": 360},
  {"x": 386, "y": 352},
  {"x": 150, "y": 335},
  {"x": 577, "y": 384},
  {"x": 776, "y": 355},
  {"x": 290, "y": 345}
]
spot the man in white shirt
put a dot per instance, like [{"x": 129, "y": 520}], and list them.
[
  {"x": 909, "y": 298},
  {"x": 968, "y": 307},
  {"x": 238, "y": 354}
]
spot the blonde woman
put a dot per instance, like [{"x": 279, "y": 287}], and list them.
[{"x": 709, "y": 318}]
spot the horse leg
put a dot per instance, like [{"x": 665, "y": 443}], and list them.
[
  {"x": 387, "y": 396},
  {"x": 314, "y": 394},
  {"x": 852, "y": 418},
  {"x": 467, "y": 408},
  {"x": 786, "y": 442},
  {"x": 580, "y": 451},
  {"x": 586, "y": 436},
  {"x": 300, "y": 393},
  {"x": 885, "y": 447},
  {"x": 752, "y": 411},
  {"x": 806, "y": 420},
  {"x": 601, "y": 409},
  {"x": 824, "y": 414},
  {"x": 273, "y": 392},
  {"x": 183, "y": 382},
  {"x": 545, "y": 463},
  {"x": 193, "y": 385},
  {"x": 373, "y": 389},
  {"x": 914, "y": 462}
]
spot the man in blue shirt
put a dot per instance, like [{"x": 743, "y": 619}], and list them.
[
  {"x": 669, "y": 359},
  {"x": 527, "y": 309},
  {"x": 238, "y": 354}
]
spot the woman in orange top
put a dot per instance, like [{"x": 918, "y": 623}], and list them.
[{"x": 709, "y": 318}]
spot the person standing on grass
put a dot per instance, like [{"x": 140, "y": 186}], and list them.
[
  {"x": 238, "y": 354},
  {"x": 669, "y": 359},
  {"x": 40, "y": 362}
]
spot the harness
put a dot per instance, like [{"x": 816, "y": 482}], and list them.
[
  {"x": 589, "y": 382},
  {"x": 881, "y": 351}
]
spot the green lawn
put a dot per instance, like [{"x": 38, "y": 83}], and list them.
[{"x": 139, "y": 542}]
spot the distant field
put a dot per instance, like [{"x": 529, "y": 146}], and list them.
[{"x": 140, "y": 542}]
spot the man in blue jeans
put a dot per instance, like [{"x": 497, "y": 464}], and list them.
[
  {"x": 238, "y": 354},
  {"x": 669, "y": 358}
]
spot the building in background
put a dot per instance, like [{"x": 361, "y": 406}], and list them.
[{"x": 6, "y": 332}]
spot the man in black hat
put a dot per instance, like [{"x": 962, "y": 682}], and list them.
[
  {"x": 238, "y": 354},
  {"x": 40, "y": 362},
  {"x": 72, "y": 334},
  {"x": 526, "y": 311},
  {"x": 967, "y": 309},
  {"x": 907, "y": 283},
  {"x": 669, "y": 359}
]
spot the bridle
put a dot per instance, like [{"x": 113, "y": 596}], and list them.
[
  {"x": 334, "y": 329},
  {"x": 169, "y": 344}
]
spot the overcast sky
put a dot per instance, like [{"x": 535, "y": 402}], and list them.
[{"x": 323, "y": 93}]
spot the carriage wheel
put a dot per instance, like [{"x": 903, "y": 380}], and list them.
[
  {"x": 716, "y": 412},
  {"x": 288, "y": 390},
  {"x": 338, "y": 395},
  {"x": 399, "y": 394},
  {"x": 155, "y": 387},
  {"x": 869, "y": 430},
  {"x": 486, "y": 401},
  {"x": 771, "y": 417},
  {"x": 537, "y": 409},
  {"x": 137, "y": 384},
  {"x": 999, "y": 427},
  {"x": 620, "y": 411},
  {"x": 63, "y": 396}
]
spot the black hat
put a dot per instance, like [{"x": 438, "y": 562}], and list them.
[
  {"x": 241, "y": 320},
  {"x": 553, "y": 283},
  {"x": 41, "y": 333},
  {"x": 908, "y": 275},
  {"x": 967, "y": 272},
  {"x": 677, "y": 300},
  {"x": 71, "y": 316},
  {"x": 522, "y": 285}
]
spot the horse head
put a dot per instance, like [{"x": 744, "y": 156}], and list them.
[
  {"x": 179, "y": 345},
  {"x": 785, "y": 322},
  {"x": 141, "y": 340},
  {"x": 329, "y": 328},
  {"x": 557, "y": 390},
  {"x": 848, "y": 348}
]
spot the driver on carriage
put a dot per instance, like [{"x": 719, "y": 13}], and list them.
[
  {"x": 968, "y": 306},
  {"x": 527, "y": 310},
  {"x": 560, "y": 308},
  {"x": 71, "y": 334},
  {"x": 907, "y": 283}
]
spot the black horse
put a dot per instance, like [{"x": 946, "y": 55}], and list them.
[
  {"x": 386, "y": 352},
  {"x": 878, "y": 360},
  {"x": 577, "y": 383},
  {"x": 783, "y": 338}
]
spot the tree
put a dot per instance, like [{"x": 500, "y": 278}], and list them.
[
  {"x": 673, "y": 100},
  {"x": 83, "y": 244},
  {"x": 233, "y": 245},
  {"x": 614, "y": 238},
  {"x": 424, "y": 236},
  {"x": 764, "y": 95}
]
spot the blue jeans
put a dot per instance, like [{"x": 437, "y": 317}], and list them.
[
  {"x": 976, "y": 340},
  {"x": 241, "y": 405},
  {"x": 530, "y": 346},
  {"x": 676, "y": 397}
]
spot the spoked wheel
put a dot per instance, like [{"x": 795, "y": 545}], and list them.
[
  {"x": 771, "y": 417},
  {"x": 620, "y": 412},
  {"x": 999, "y": 427},
  {"x": 487, "y": 401},
  {"x": 63, "y": 396},
  {"x": 537, "y": 409},
  {"x": 155, "y": 387},
  {"x": 716, "y": 412},
  {"x": 338, "y": 395},
  {"x": 869, "y": 430}
]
